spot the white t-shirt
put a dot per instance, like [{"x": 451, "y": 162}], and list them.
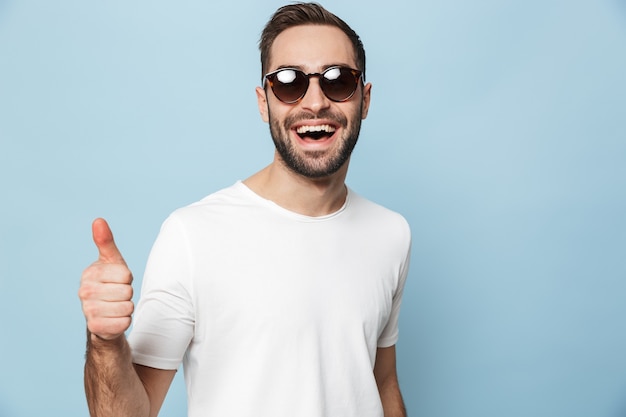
[{"x": 273, "y": 313}]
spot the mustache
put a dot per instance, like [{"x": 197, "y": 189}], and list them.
[{"x": 340, "y": 119}]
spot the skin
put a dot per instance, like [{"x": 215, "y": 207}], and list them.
[
  {"x": 387, "y": 382},
  {"x": 113, "y": 384},
  {"x": 311, "y": 48},
  {"x": 116, "y": 387}
]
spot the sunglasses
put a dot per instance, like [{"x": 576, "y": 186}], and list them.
[{"x": 290, "y": 85}]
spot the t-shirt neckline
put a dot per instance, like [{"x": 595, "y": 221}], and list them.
[{"x": 269, "y": 203}]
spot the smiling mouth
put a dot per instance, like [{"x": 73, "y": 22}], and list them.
[{"x": 315, "y": 132}]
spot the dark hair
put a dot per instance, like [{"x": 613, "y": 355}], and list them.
[{"x": 298, "y": 14}]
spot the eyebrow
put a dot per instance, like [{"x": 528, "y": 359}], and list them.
[{"x": 301, "y": 68}]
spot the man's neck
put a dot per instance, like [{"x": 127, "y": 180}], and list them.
[{"x": 308, "y": 196}]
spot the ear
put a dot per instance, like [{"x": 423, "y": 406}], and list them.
[
  {"x": 261, "y": 98},
  {"x": 365, "y": 102}
]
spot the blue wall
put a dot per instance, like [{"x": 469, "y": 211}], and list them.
[{"x": 497, "y": 128}]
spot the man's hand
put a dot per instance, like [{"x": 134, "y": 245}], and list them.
[{"x": 105, "y": 288}]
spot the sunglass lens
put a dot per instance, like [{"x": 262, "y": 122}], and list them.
[
  {"x": 289, "y": 85},
  {"x": 339, "y": 84}
]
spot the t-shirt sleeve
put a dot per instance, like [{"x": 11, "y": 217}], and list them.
[
  {"x": 163, "y": 323},
  {"x": 389, "y": 335}
]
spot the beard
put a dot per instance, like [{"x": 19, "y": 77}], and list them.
[{"x": 315, "y": 164}]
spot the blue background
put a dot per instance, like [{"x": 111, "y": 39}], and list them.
[{"x": 497, "y": 128}]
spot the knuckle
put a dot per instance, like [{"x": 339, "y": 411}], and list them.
[
  {"x": 128, "y": 276},
  {"x": 91, "y": 311},
  {"x": 99, "y": 272},
  {"x": 110, "y": 327},
  {"x": 88, "y": 291},
  {"x": 95, "y": 326},
  {"x": 128, "y": 292},
  {"x": 83, "y": 292},
  {"x": 130, "y": 308},
  {"x": 126, "y": 323},
  {"x": 94, "y": 273},
  {"x": 87, "y": 275}
]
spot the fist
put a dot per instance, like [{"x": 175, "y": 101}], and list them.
[{"x": 105, "y": 287}]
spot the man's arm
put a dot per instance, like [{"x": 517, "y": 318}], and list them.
[
  {"x": 114, "y": 386},
  {"x": 387, "y": 381}
]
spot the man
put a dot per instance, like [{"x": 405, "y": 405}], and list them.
[{"x": 280, "y": 294}]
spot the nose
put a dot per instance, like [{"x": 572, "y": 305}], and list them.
[{"x": 314, "y": 100}]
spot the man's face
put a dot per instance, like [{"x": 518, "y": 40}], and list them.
[{"x": 315, "y": 136}]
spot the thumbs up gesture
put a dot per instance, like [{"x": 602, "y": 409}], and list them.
[{"x": 105, "y": 287}]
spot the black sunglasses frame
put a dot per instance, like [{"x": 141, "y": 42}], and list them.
[{"x": 270, "y": 78}]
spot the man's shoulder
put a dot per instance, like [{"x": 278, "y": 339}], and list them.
[
  {"x": 377, "y": 214},
  {"x": 228, "y": 196},
  {"x": 369, "y": 207},
  {"x": 215, "y": 205}
]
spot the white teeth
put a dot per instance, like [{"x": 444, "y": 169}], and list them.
[{"x": 317, "y": 128}]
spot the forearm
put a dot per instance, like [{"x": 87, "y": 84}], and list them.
[
  {"x": 387, "y": 382},
  {"x": 391, "y": 398},
  {"x": 112, "y": 386}
]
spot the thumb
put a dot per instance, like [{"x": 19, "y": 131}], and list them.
[{"x": 103, "y": 238}]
